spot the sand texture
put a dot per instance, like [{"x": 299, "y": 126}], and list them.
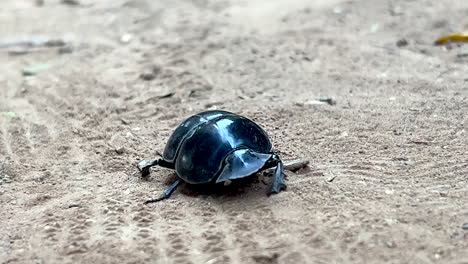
[{"x": 387, "y": 180}]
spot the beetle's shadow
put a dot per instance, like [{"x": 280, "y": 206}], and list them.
[{"x": 238, "y": 188}]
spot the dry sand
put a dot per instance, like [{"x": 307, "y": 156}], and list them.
[{"x": 395, "y": 142}]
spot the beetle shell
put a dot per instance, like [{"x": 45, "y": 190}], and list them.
[
  {"x": 199, "y": 146},
  {"x": 182, "y": 131}
]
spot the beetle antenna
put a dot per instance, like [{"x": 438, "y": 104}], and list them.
[{"x": 144, "y": 167}]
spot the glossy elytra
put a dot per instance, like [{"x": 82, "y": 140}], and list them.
[{"x": 214, "y": 147}]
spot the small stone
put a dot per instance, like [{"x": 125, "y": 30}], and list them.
[
  {"x": 465, "y": 226},
  {"x": 126, "y": 38},
  {"x": 18, "y": 51},
  {"x": 329, "y": 101},
  {"x": 443, "y": 193},
  {"x": 33, "y": 70},
  {"x": 396, "y": 11},
  {"x": 390, "y": 244},
  {"x": 401, "y": 43},
  {"x": 5, "y": 179},
  {"x": 331, "y": 178},
  {"x": 55, "y": 43},
  {"x": 440, "y": 24},
  {"x": 148, "y": 76},
  {"x": 151, "y": 73},
  {"x": 125, "y": 122},
  {"x": 75, "y": 248},
  {"x": 374, "y": 28},
  {"x": 118, "y": 143},
  {"x": 120, "y": 150},
  {"x": 337, "y": 10},
  {"x": 463, "y": 54},
  {"x": 65, "y": 50},
  {"x": 71, "y": 2}
]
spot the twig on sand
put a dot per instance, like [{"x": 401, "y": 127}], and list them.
[
  {"x": 293, "y": 165},
  {"x": 420, "y": 142}
]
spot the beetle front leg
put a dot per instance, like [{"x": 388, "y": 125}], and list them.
[
  {"x": 279, "y": 183},
  {"x": 144, "y": 167}
]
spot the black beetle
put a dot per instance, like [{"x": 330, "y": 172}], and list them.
[{"x": 217, "y": 146}]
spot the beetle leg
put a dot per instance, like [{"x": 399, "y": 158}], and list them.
[
  {"x": 167, "y": 193},
  {"x": 166, "y": 164},
  {"x": 279, "y": 183},
  {"x": 144, "y": 167},
  {"x": 242, "y": 163}
]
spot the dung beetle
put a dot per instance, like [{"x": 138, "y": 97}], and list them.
[{"x": 217, "y": 146}]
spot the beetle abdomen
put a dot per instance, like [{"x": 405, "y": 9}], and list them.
[{"x": 202, "y": 152}]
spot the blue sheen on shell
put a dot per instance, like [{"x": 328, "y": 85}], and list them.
[{"x": 200, "y": 145}]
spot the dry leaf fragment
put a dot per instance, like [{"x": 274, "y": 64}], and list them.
[{"x": 459, "y": 37}]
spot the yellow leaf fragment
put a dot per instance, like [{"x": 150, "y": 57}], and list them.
[{"x": 459, "y": 37}]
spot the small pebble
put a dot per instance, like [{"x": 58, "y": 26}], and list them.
[
  {"x": 374, "y": 28},
  {"x": 390, "y": 244},
  {"x": 126, "y": 38},
  {"x": 465, "y": 226},
  {"x": 329, "y": 101},
  {"x": 147, "y": 76},
  {"x": 55, "y": 43},
  {"x": 463, "y": 54},
  {"x": 5, "y": 179},
  {"x": 33, "y": 70},
  {"x": 331, "y": 178},
  {"x": 337, "y": 10},
  {"x": 65, "y": 50},
  {"x": 70, "y": 2},
  {"x": 120, "y": 150},
  {"x": 118, "y": 143},
  {"x": 151, "y": 73},
  {"x": 401, "y": 43}
]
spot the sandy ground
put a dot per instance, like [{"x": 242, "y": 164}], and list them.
[{"x": 395, "y": 142}]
